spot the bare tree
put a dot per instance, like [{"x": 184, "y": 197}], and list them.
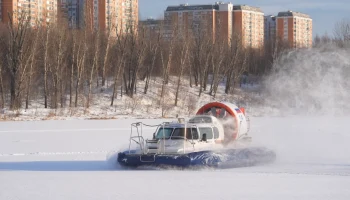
[
  {"x": 94, "y": 65},
  {"x": 58, "y": 67},
  {"x": 204, "y": 71},
  {"x": 2, "y": 95},
  {"x": 82, "y": 49},
  {"x": 17, "y": 36},
  {"x": 201, "y": 35},
  {"x": 154, "y": 49},
  {"x": 121, "y": 45},
  {"x": 72, "y": 69},
  {"x": 106, "y": 58},
  {"x": 32, "y": 62},
  {"x": 183, "y": 60},
  {"x": 217, "y": 64},
  {"x": 166, "y": 61},
  {"x": 233, "y": 56},
  {"x": 46, "y": 66},
  {"x": 241, "y": 68},
  {"x": 136, "y": 54},
  {"x": 342, "y": 32}
]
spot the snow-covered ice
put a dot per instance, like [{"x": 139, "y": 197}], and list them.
[{"x": 67, "y": 160}]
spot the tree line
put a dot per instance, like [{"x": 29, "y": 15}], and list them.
[
  {"x": 340, "y": 37},
  {"x": 63, "y": 67}
]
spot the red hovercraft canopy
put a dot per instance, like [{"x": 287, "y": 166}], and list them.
[{"x": 222, "y": 111}]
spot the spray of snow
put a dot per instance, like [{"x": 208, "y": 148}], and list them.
[
  {"x": 112, "y": 155},
  {"x": 112, "y": 160},
  {"x": 313, "y": 86},
  {"x": 310, "y": 81},
  {"x": 229, "y": 128}
]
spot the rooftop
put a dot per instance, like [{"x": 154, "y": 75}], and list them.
[
  {"x": 245, "y": 7},
  {"x": 270, "y": 17},
  {"x": 184, "y": 7},
  {"x": 150, "y": 22},
  {"x": 290, "y": 13}
]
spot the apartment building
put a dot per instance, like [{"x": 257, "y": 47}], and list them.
[
  {"x": 295, "y": 28},
  {"x": 269, "y": 28},
  {"x": 248, "y": 25},
  {"x": 62, "y": 12},
  {"x": 47, "y": 11},
  {"x": 0, "y": 11},
  {"x": 98, "y": 14},
  {"x": 224, "y": 20},
  {"x": 189, "y": 20},
  {"x": 236, "y": 23},
  {"x": 129, "y": 15},
  {"x": 70, "y": 13},
  {"x": 41, "y": 12},
  {"x": 151, "y": 28},
  {"x": 105, "y": 15},
  {"x": 7, "y": 6},
  {"x": 199, "y": 20}
]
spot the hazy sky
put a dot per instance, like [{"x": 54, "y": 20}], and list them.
[{"x": 325, "y": 13}]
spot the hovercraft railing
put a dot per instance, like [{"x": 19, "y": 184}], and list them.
[{"x": 139, "y": 139}]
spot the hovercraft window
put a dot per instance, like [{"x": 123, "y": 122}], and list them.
[
  {"x": 164, "y": 133},
  {"x": 179, "y": 133},
  {"x": 208, "y": 131}
]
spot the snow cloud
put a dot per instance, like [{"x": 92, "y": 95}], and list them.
[{"x": 312, "y": 81}]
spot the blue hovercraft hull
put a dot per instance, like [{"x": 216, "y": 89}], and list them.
[{"x": 223, "y": 159}]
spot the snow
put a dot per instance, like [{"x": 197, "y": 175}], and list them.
[
  {"x": 141, "y": 106},
  {"x": 301, "y": 112},
  {"x": 67, "y": 160}
]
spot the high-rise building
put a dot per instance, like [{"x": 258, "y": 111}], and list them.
[
  {"x": 106, "y": 15},
  {"x": 199, "y": 20},
  {"x": 129, "y": 15},
  {"x": 62, "y": 12},
  {"x": 69, "y": 13},
  {"x": 270, "y": 28},
  {"x": 294, "y": 28},
  {"x": 185, "y": 19},
  {"x": 40, "y": 12},
  {"x": 248, "y": 25},
  {"x": 48, "y": 13},
  {"x": 7, "y": 6},
  {"x": 224, "y": 20},
  {"x": 106, "y": 18},
  {"x": 98, "y": 15},
  {"x": 239, "y": 23},
  {"x": 0, "y": 10},
  {"x": 151, "y": 28}
]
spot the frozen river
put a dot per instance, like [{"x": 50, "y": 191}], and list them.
[{"x": 67, "y": 160}]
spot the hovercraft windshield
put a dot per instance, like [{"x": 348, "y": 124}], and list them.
[{"x": 177, "y": 133}]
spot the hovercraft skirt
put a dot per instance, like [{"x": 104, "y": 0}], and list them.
[{"x": 225, "y": 158}]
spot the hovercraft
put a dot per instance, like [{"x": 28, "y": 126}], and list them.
[{"x": 217, "y": 136}]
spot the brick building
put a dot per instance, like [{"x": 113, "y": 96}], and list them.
[
  {"x": 295, "y": 28},
  {"x": 199, "y": 20},
  {"x": 104, "y": 15},
  {"x": 248, "y": 25},
  {"x": 270, "y": 28},
  {"x": 40, "y": 12}
]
